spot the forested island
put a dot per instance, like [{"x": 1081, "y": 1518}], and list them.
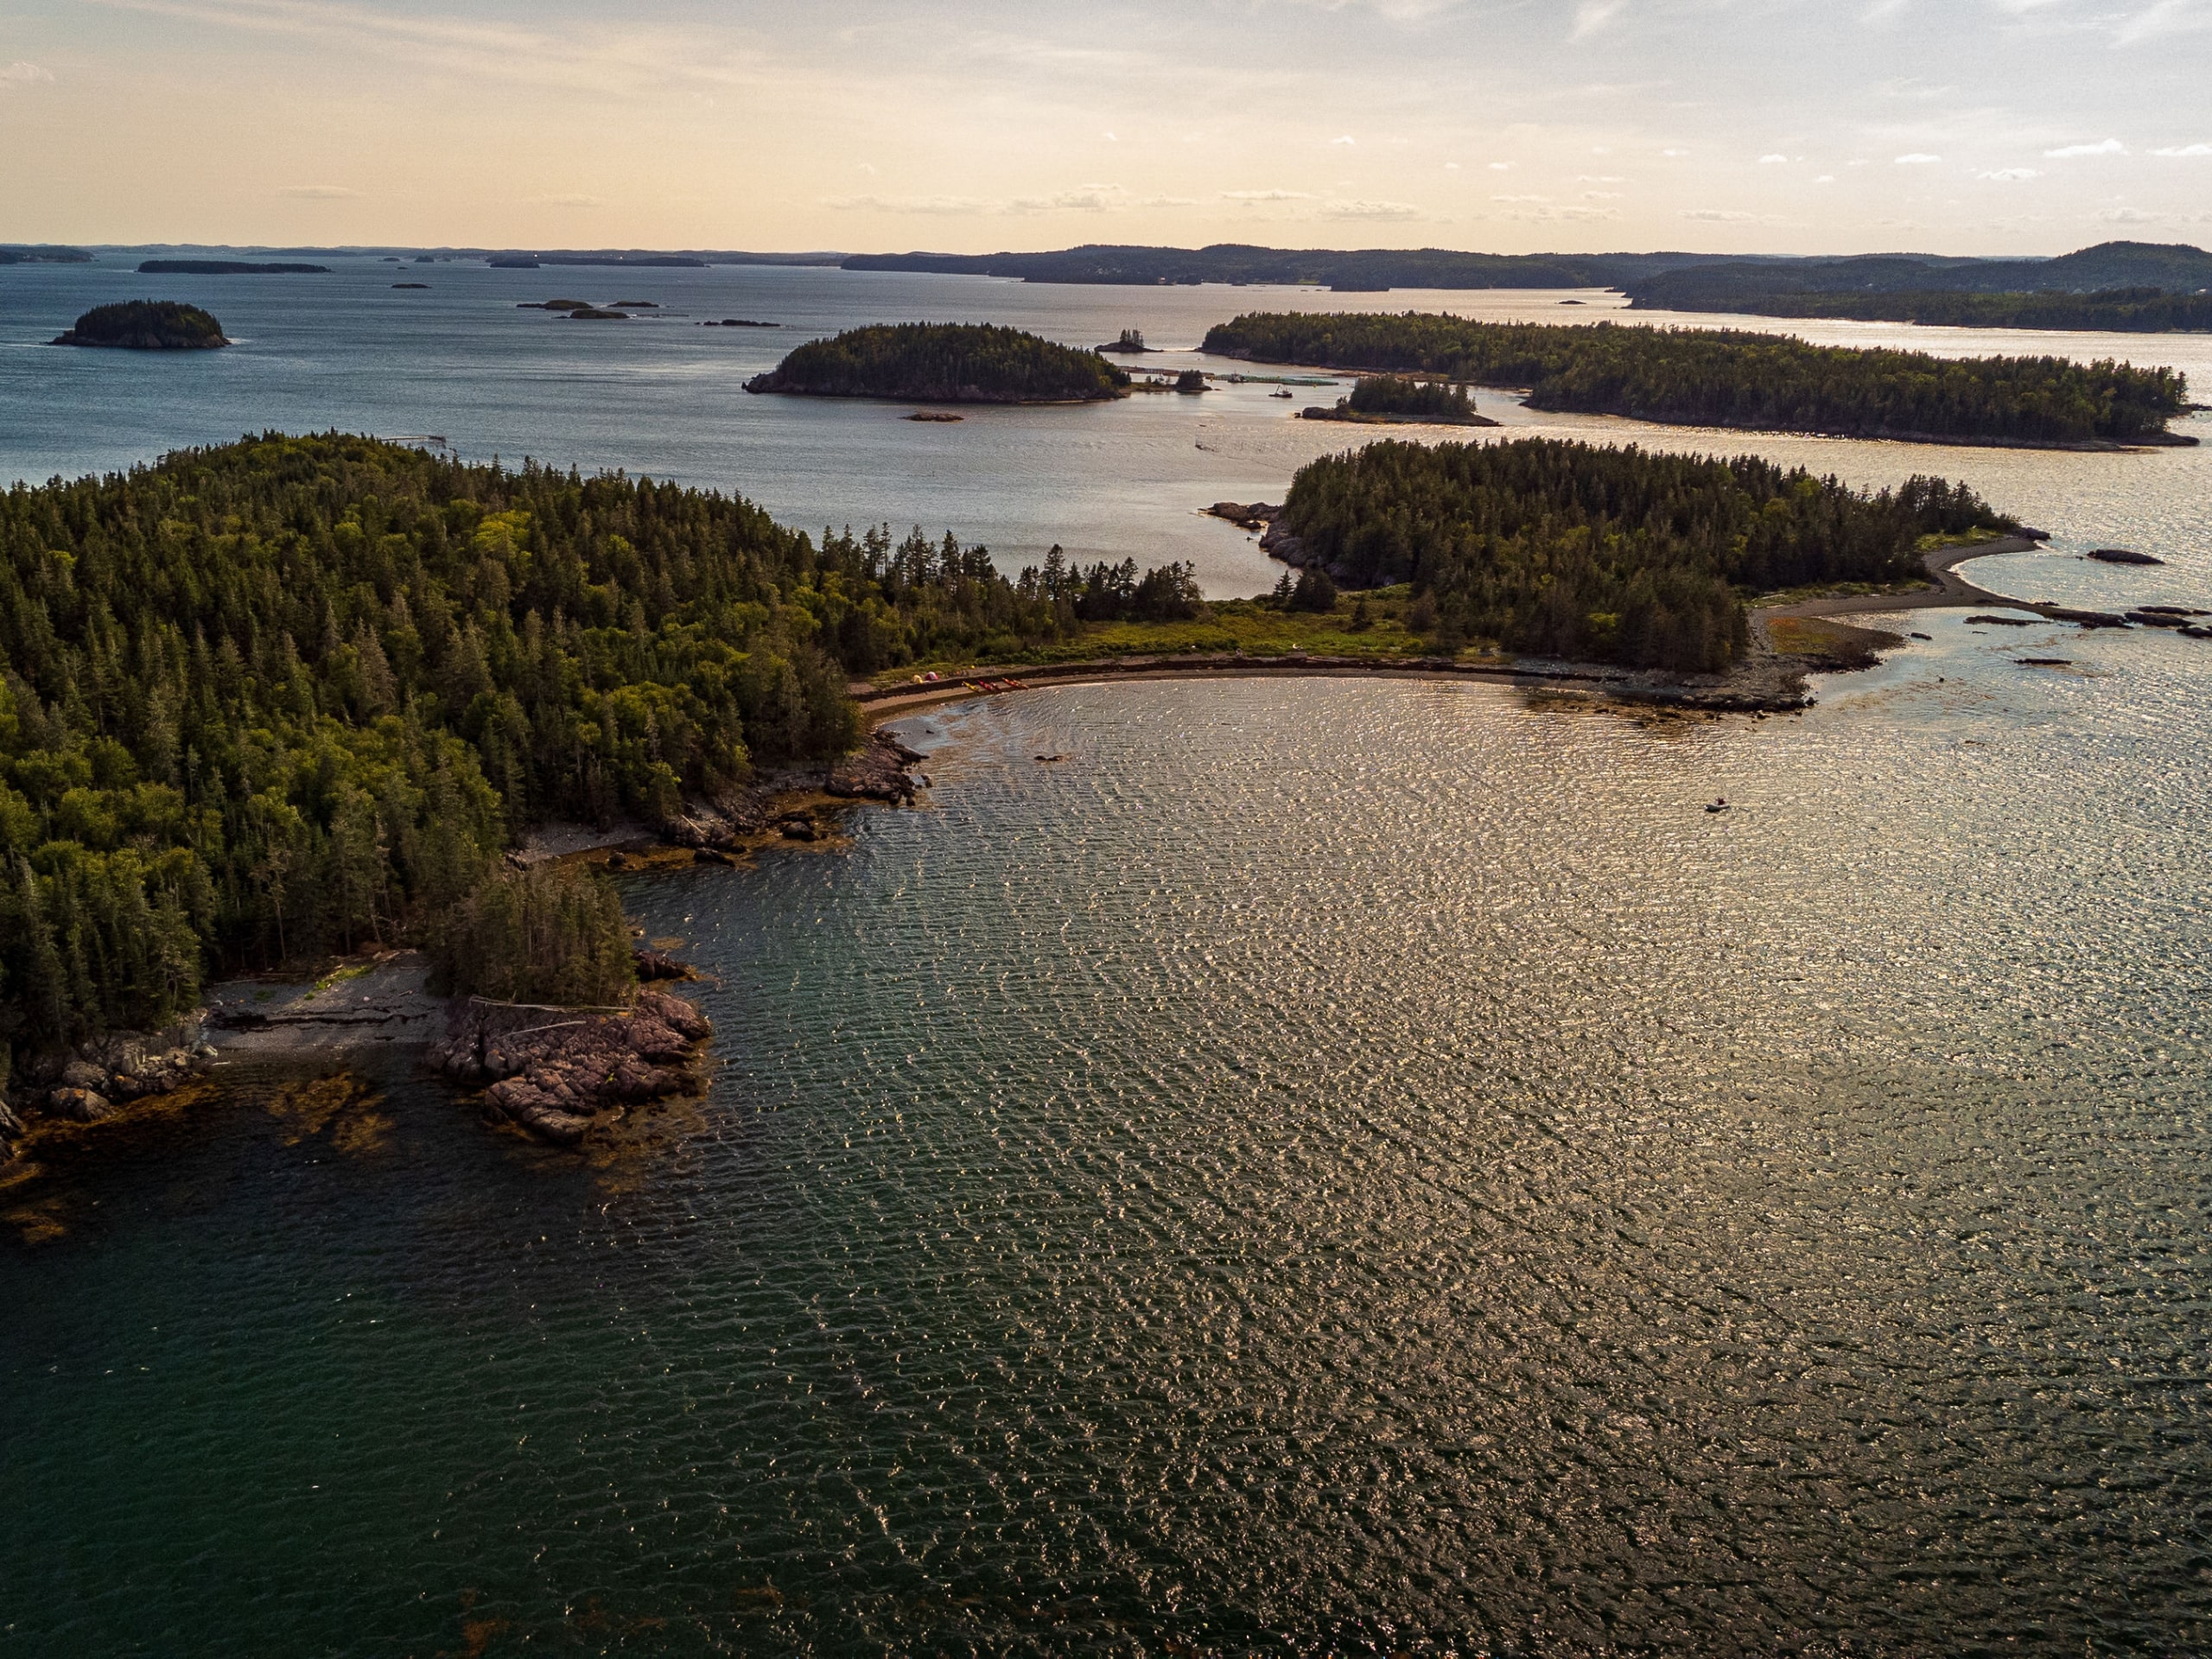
[
  {"x": 1568, "y": 549},
  {"x": 296, "y": 695},
  {"x": 228, "y": 267},
  {"x": 1398, "y": 399},
  {"x": 1751, "y": 381},
  {"x": 146, "y": 326},
  {"x": 944, "y": 363},
  {"x": 42, "y": 254}
]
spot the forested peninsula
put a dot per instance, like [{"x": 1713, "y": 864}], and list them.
[
  {"x": 2127, "y": 287},
  {"x": 2116, "y": 310},
  {"x": 944, "y": 363},
  {"x": 1629, "y": 556},
  {"x": 1751, "y": 381},
  {"x": 296, "y": 695}
]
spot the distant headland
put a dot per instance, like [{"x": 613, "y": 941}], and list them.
[
  {"x": 146, "y": 326},
  {"x": 944, "y": 363},
  {"x": 2132, "y": 286},
  {"x": 228, "y": 267},
  {"x": 2119, "y": 287}
]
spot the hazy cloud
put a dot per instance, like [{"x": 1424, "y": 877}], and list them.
[
  {"x": 2165, "y": 18},
  {"x": 947, "y": 205},
  {"x": 2109, "y": 147},
  {"x": 1084, "y": 198},
  {"x": 2010, "y": 174},
  {"x": 1717, "y": 216},
  {"x": 1918, "y": 158},
  {"x": 2184, "y": 149},
  {"x": 317, "y": 192},
  {"x": 1369, "y": 210},
  {"x": 20, "y": 74},
  {"x": 1592, "y": 16},
  {"x": 1267, "y": 195}
]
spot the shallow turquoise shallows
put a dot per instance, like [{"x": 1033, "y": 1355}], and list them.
[{"x": 1329, "y": 1166}]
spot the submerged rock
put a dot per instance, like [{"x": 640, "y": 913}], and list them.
[{"x": 79, "y": 1105}]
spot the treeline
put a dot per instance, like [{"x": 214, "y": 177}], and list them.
[
  {"x": 940, "y": 362},
  {"x": 1714, "y": 377},
  {"x": 1113, "y": 592},
  {"x": 1614, "y": 554},
  {"x": 549, "y": 934},
  {"x": 297, "y": 694},
  {"x": 2117, "y": 310}
]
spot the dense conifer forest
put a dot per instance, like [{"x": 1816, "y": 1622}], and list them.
[
  {"x": 296, "y": 695},
  {"x": 1714, "y": 377},
  {"x": 1613, "y": 554},
  {"x": 943, "y": 362}
]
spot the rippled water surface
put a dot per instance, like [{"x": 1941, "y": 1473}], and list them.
[{"x": 1328, "y": 1166}]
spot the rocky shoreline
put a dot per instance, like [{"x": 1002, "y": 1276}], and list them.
[
  {"x": 553, "y": 1073},
  {"x": 98, "y": 1080}
]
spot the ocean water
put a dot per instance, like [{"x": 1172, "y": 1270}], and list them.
[
  {"x": 1330, "y": 1165},
  {"x": 664, "y": 396}
]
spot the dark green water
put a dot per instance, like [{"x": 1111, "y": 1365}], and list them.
[{"x": 1329, "y": 1166}]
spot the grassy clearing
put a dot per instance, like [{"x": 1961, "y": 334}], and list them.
[
  {"x": 1230, "y": 626},
  {"x": 338, "y": 976},
  {"x": 1831, "y": 642}
]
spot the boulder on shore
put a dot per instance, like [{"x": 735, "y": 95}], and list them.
[
  {"x": 91, "y": 1082},
  {"x": 552, "y": 1071},
  {"x": 874, "y": 772}
]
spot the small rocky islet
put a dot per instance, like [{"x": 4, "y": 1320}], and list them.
[{"x": 146, "y": 326}]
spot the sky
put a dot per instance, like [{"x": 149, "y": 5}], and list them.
[{"x": 1790, "y": 126}]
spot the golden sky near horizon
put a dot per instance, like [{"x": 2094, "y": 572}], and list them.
[{"x": 1955, "y": 126}]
